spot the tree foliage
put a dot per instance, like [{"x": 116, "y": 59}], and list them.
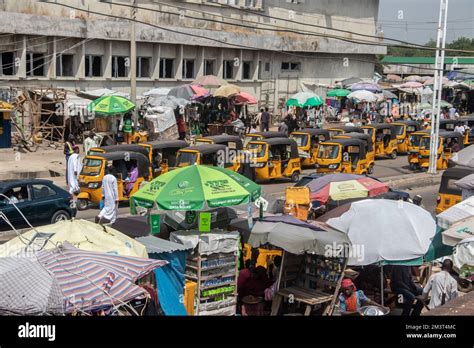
[{"x": 463, "y": 43}]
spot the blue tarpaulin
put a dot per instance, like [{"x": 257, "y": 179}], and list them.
[{"x": 170, "y": 278}]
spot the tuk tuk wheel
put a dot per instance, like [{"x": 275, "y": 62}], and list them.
[
  {"x": 412, "y": 166},
  {"x": 393, "y": 155},
  {"x": 295, "y": 177},
  {"x": 82, "y": 204},
  {"x": 370, "y": 170}
]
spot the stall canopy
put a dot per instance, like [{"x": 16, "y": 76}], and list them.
[
  {"x": 82, "y": 234},
  {"x": 464, "y": 254},
  {"x": 363, "y": 96},
  {"x": 155, "y": 92},
  {"x": 466, "y": 183},
  {"x": 386, "y": 230},
  {"x": 188, "y": 92},
  {"x": 27, "y": 288},
  {"x": 456, "y": 213},
  {"x": 460, "y": 230},
  {"x": 169, "y": 278},
  {"x": 465, "y": 157},
  {"x": 209, "y": 81},
  {"x": 295, "y": 236}
]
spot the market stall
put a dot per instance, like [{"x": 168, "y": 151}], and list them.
[{"x": 312, "y": 265}]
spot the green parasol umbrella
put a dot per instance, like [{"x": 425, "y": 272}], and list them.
[
  {"x": 338, "y": 92},
  {"x": 196, "y": 188},
  {"x": 303, "y": 99},
  {"x": 110, "y": 105}
]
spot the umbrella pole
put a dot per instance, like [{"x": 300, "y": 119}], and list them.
[{"x": 381, "y": 285}]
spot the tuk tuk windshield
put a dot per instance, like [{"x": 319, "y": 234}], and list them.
[
  {"x": 449, "y": 126},
  {"x": 411, "y": 129},
  {"x": 249, "y": 138},
  {"x": 93, "y": 152},
  {"x": 91, "y": 167},
  {"x": 328, "y": 151},
  {"x": 368, "y": 131},
  {"x": 415, "y": 139},
  {"x": 301, "y": 139},
  {"x": 186, "y": 159},
  {"x": 333, "y": 133},
  {"x": 399, "y": 129},
  {"x": 425, "y": 142},
  {"x": 258, "y": 150},
  {"x": 202, "y": 142}
]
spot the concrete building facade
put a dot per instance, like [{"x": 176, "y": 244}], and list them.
[{"x": 268, "y": 47}]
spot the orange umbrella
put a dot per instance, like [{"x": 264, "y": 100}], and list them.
[{"x": 245, "y": 98}]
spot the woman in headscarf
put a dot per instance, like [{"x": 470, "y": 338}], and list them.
[{"x": 351, "y": 299}]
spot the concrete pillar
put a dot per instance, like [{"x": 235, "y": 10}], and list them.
[
  {"x": 52, "y": 51},
  {"x": 156, "y": 61},
  {"x": 256, "y": 65},
  {"x": 22, "y": 63},
  {"x": 200, "y": 62},
  {"x": 179, "y": 66},
  {"x": 108, "y": 59},
  {"x": 81, "y": 65},
  {"x": 238, "y": 74},
  {"x": 220, "y": 63}
]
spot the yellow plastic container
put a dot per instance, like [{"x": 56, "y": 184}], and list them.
[{"x": 189, "y": 296}]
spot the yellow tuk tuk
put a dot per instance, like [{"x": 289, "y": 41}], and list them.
[
  {"x": 275, "y": 158},
  {"x": 262, "y": 135},
  {"x": 385, "y": 139},
  {"x": 369, "y": 147},
  {"x": 163, "y": 154},
  {"x": 124, "y": 148},
  {"x": 208, "y": 154},
  {"x": 119, "y": 164},
  {"x": 414, "y": 148},
  {"x": 468, "y": 121},
  {"x": 338, "y": 130},
  {"x": 342, "y": 156},
  {"x": 449, "y": 125},
  {"x": 446, "y": 145},
  {"x": 403, "y": 129},
  {"x": 307, "y": 141},
  {"x": 449, "y": 194}
]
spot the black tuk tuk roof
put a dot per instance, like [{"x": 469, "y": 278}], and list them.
[
  {"x": 167, "y": 144},
  {"x": 143, "y": 163},
  {"x": 221, "y": 139},
  {"x": 350, "y": 142},
  {"x": 408, "y": 122},
  {"x": 314, "y": 131},
  {"x": 457, "y": 172},
  {"x": 448, "y": 122},
  {"x": 125, "y": 148},
  {"x": 271, "y": 134},
  {"x": 348, "y": 129},
  {"x": 451, "y": 134},
  {"x": 282, "y": 141},
  {"x": 207, "y": 148},
  {"x": 361, "y": 136}
]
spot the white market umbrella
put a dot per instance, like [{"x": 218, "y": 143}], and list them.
[
  {"x": 385, "y": 230},
  {"x": 456, "y": 213},
  {"x": 464, "y": 253},
  {"x": 465, "y": 157},
  {"x": 362, "y": 96},
  {"x": 156, "y": 92}
]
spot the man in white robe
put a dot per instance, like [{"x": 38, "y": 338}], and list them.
[
  {"x": 111, "y": 199},
  {"x": 74, "y": 166}
]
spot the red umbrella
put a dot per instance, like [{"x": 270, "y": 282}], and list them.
[
  {"x": 245, "y": 98},
  {"x": 199, "y": 91}
]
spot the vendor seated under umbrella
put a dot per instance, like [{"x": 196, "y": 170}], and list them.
[{"x": 351, "y": 299}]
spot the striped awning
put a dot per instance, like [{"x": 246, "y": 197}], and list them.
[{"x": 94, "y": 280}]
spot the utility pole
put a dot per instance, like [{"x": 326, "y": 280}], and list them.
[
  {"x": 438, "y": 84},
  {"x": 133, "y": 62}
]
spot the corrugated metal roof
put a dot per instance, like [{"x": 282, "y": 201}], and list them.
[
  {"x": 156, "y": 245},
  {"x": 425, "y": 60}
]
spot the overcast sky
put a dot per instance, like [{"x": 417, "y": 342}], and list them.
[{"x": 415, "y": 13}]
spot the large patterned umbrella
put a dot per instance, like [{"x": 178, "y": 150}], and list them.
[
  {"x": 339, "y": 187},
  {"x": 196, "y": 187},
  {"x": 303, "y": 99},
  {"x": 188, "y": 92},
  {"x": 366, "y": 86},
  {"x": 338, "y": 92},
  {"x": 226, "y": 91},
  {"x": 209, "y": 81},
  {"x": 110, "y": 105},
  {"x": 361, "y": 96}
]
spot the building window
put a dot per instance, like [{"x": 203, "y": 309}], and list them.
[
  {"x": 247, "y": 71},
  {"x": 35, "y": 64},
  {"x": 267, "y": 67},
  {"x": 65, "y": 65},
  {"x": 228, "y": 72},
  {"x": 143, "y": 67},
  {"x": 7, "y": 63},
  {"x": 120, "y": 66},
  {"x": 188, "y": 68},
  {"x": 93, "y": 66},
  {"x": 290, "y": 66},
  {"x": 209, "y": 67},
  {"x": 166, "y": 68}
]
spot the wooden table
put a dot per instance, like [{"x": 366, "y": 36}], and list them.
[{"x": 301, "y": 295}]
